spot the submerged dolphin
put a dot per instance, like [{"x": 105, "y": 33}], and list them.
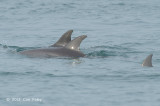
[
  {"x": 148, "y": 61},
  {"x": 64, "y": 39},
  {"x": 69, "y": 50}
]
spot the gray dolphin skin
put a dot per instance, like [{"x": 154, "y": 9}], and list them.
[
  {"x": 148, "y": 61},
  {"x": 70, "y": 50},
  {"x": 64, "y": 39}
]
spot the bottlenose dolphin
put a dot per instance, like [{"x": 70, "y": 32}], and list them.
[
  {"x": 64, "y": 39},
  {"x": 148, "y": 61},
  {"x": 70, "y": 50}
]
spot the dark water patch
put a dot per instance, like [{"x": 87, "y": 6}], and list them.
[
  {"x": 10, "y": 73},
  {"x": 118, "y": 4},
  {"x": 47, "y": 8},
  {"x": 101, "y": 77},
  {"x": 26, "y": 74},
  {"x": 101, "y": 53},
  {"x": 17, "y": 48},
  {"x": 42, "y": 11},
  {"x": 142, "y": 77},
  {"x": 107, "y": 51},
  {"x": 92, "y": 76},
  {"x": 49, "y": 75},
  {"x": 120, "y": 77},
  {"x": 106, "y": 77},
  {"x": 126, "y": 44},
  {"x": 69, "y": 5},
  {"x": 18, "y": 73}
]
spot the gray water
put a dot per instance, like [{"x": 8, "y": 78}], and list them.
[{"x": 121, "y": 33}]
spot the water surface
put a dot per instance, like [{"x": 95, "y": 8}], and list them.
[{"x": 121, "y": 33}]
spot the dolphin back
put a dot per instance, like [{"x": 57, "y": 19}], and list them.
[
  {"x": 64, "y": 39},
  {"x": 148, "y": 61},
  {"x": 75, "y": 43},
  {"x": 63, "y": 48}
]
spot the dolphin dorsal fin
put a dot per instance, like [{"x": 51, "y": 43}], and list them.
[
  {"x": 64, "y": 39},
  {"x": 75, "y": 43},
  {"x": 148, "y": 61}
]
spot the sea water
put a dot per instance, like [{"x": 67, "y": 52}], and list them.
[{"x": 121, "y": 34}]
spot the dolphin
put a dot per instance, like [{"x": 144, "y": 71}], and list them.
[
  {"x": 148, "y": 61},
  {"x": 69, "y": 50},
  {"x": 64, "y": 39}
]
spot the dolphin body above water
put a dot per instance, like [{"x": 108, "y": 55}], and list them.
[
  {"x": 148, "y": 61},
  {"x": 59, "y": 49}
]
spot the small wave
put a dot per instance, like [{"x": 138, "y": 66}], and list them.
[
  {"x": 20, "y": 73},
  {"x": 10, "y": 73},
  {"x": 101, "y": 53},
  {"x": 119, "y": 4},
  {"x": 107, "y": 51},
  {"x": 16, "y": 48}
]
